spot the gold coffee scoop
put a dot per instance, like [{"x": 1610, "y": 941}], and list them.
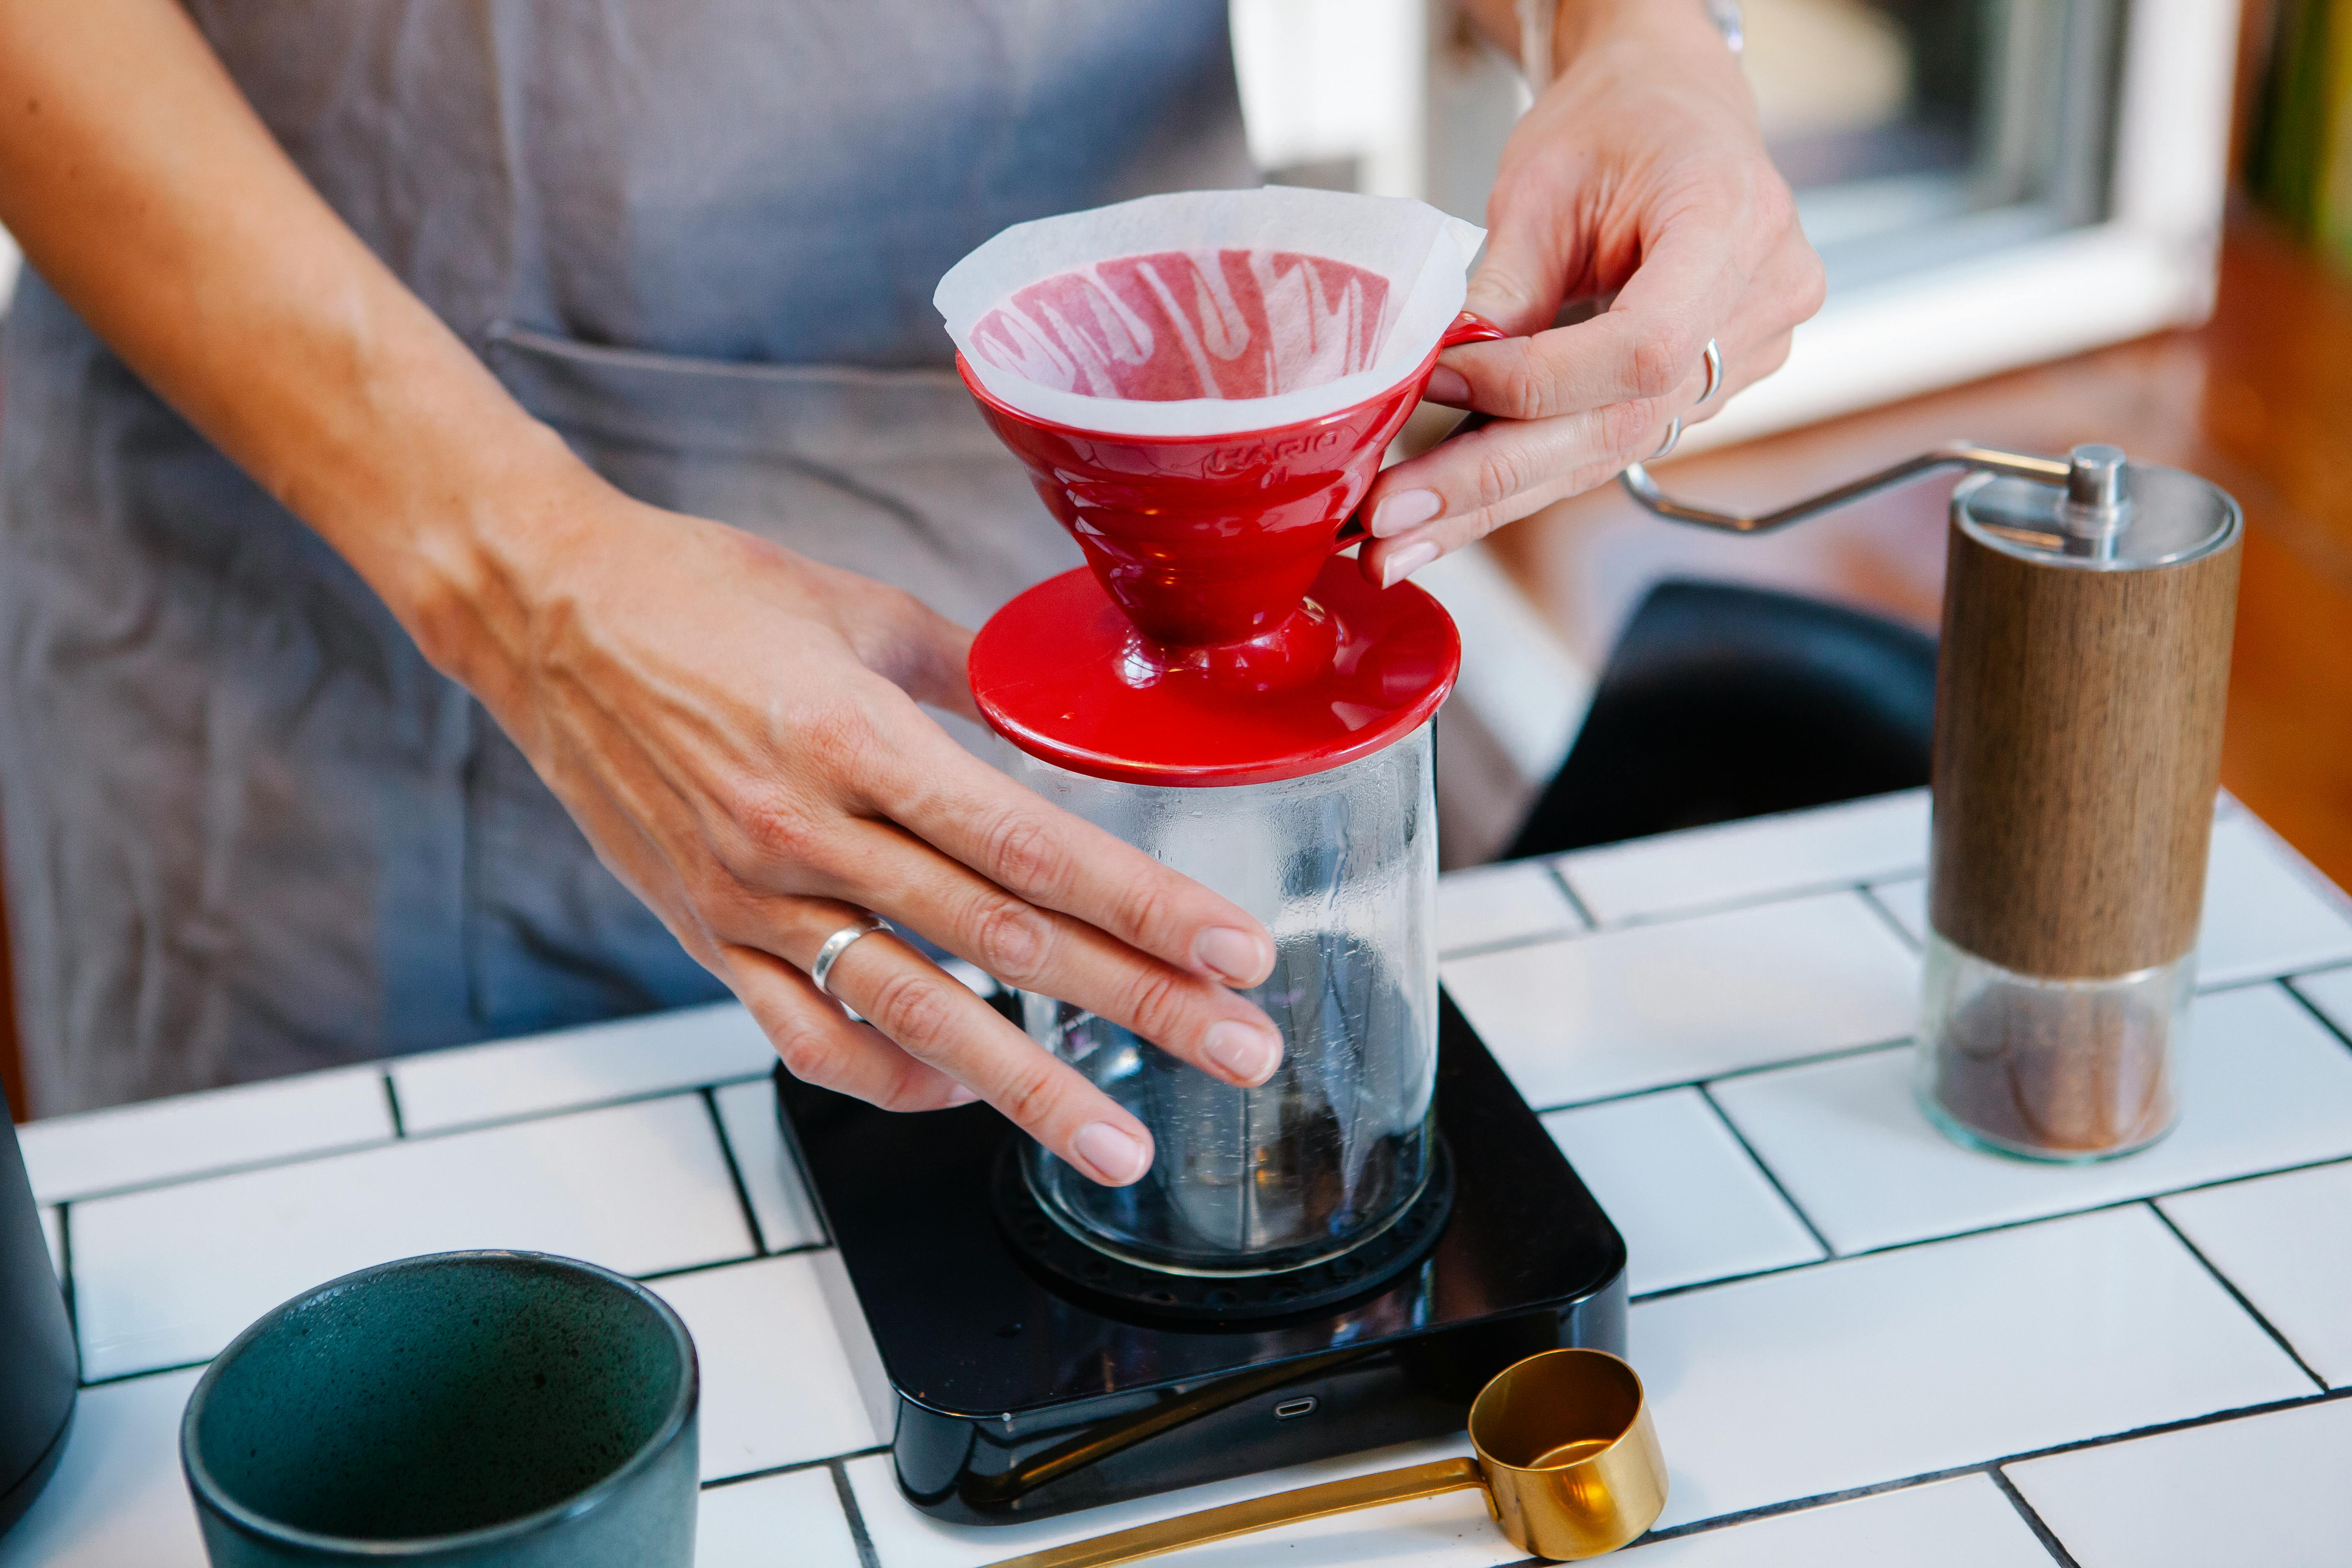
[{"x": 1567, "y": 1457}]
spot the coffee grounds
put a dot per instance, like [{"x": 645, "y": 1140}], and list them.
[{"x": 2060, "y": 1072}]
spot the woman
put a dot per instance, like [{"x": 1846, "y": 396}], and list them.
[{"x": 484, "y": 507}]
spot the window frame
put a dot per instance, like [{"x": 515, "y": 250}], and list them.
[{"x": 2148, "y": 265}]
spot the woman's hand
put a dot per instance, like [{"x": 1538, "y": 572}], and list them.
[
  {"x": 1639, "y": 173},
  {"x": 736, "y": 728}
]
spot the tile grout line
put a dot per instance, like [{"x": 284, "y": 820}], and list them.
[
  {"x": 1902, "y": 932},
  {"x": 244, "y": 1168},
  {"x": 1593, "y": 926},
  {"x": 2287, "y": 983},
  {"x": 114, "y": 1377},
  {"x": 2298, "y": 865},
  {"x": 1559, "y": 874},
  {"x": 1469, "y": 950},
  {"x": 1765, "y": 1510},
  {"x": 1841, "y": 1053},
  {"x": 391, "y": 1103},
  {"x": 1868, "y": 890},
  {"x": 2237, "y": 1295},
  {"x": 2033, "y": 1521},
  {"x": 308, "y": 1156},
  {"x": 1985, "y": 1467},
  {"x": 866, "y": 1556},
  {"x": 548, "y": 1113},
  {"x": 772, "y": 1471},
  {"x": 1838, "y": 1053},
  {"x": 1998, "y": 1225},
  {"x": 813, "y": 1207},
  {"x": 2246, "y": 983},
  {"x": 2324, "y": 1160},
  {"x": 2160, "y": 1429},
  {"x": 658, "y": 1275},
  {"x": 735, "y": 1171},
  {"x": 66, "y": 1281},
  {"x": 1769, "y": 1174},
  {"x": 1667, "y": 1292},
  {"x": 1739, "y": 902}
]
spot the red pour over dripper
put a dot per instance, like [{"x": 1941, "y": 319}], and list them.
[{"x": 1212, "y": 639}]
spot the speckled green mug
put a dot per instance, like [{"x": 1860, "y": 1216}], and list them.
[{"x": 462, "y": 1408}]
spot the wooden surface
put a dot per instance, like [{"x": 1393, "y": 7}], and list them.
[
  {"x": 2259, "y": 400},
  {"x": 2078, "y": 733}
]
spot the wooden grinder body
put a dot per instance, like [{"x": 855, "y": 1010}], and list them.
[{"x": 2077, "y": 753}]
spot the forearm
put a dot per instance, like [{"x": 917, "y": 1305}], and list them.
[
  {"x": 1578, "y": 25},
  {"x": 144, "y": 189}
]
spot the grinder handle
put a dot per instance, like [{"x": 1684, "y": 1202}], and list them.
[
  {"x": 2061, "y": 472},
  {"x": 1258, "y": 1513}
]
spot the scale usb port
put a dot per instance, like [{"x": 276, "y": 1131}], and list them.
[{"x": 1292, "y": 1409}]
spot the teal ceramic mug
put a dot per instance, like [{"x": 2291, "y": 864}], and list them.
[{"x": 462, "y": 1408}]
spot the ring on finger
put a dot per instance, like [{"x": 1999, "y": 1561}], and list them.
[
  {"x": 1714, "y": 374},
  {"x": 838, "y": 944},
  {"x": 1673, "y": 435}
]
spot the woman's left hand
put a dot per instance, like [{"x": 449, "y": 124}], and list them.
[{"x": 1639, "y": 173}]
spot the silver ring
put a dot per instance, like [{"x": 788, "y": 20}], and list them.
[
  {"x": 1714, "y": 374},
  {"x": 838, "y": 944},
  {"x": 1674, "y": 434}
]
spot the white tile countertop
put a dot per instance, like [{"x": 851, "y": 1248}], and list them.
[{"x": 1865, "y": 1345}]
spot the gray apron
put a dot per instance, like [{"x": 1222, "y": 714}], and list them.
[{"x": 249, "y": 831}]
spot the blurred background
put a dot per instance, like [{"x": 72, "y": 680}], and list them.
[{"x": 2043, "y": 221}]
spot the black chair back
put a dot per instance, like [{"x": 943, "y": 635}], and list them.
[{"x": 1722, "y": 702}]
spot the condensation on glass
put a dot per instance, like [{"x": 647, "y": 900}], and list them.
[{"x": 1342, "y": 867}]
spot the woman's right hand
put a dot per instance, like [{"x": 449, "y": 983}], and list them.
[{"x": 736, "y": 728}]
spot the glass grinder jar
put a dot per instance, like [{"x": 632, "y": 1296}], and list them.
[
  {"x": 1303, "y": 792},
  {"x": 2088, "y": 606}
]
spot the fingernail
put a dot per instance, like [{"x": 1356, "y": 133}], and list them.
[
  {"x": 1118, "y": 1157},
  {"x": 1234, "y": 956},
  {"x": 961, "y": 1095},
  {"x": 1406, "y": 562},
  {"x": 1446, "y": 385},
  {"x": 1249, "y": 1054},
  {"x": 1409, "y": 510}
]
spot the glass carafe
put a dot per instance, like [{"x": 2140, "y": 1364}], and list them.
[{"x": 1341, "y": 866}]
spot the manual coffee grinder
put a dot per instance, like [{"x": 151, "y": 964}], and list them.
[
  {"x": 2088, "y": 604},
  {"x": 1341, "y": 1258}
]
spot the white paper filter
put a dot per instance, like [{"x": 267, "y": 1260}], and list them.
[{"x": 1207, "y": 312}]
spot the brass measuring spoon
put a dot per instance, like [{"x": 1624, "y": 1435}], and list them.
[{"x": 1567, "y": 1457}]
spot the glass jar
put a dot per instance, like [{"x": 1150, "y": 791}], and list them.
[
  {"x": 1341, "y": 866},
  {"x": 2053, "y": 1069}
]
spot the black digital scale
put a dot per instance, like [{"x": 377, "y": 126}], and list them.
[{"x": 1021, "y": 1375}]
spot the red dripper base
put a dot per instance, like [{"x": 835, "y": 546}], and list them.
[{"x": 1065, "y": 675}]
